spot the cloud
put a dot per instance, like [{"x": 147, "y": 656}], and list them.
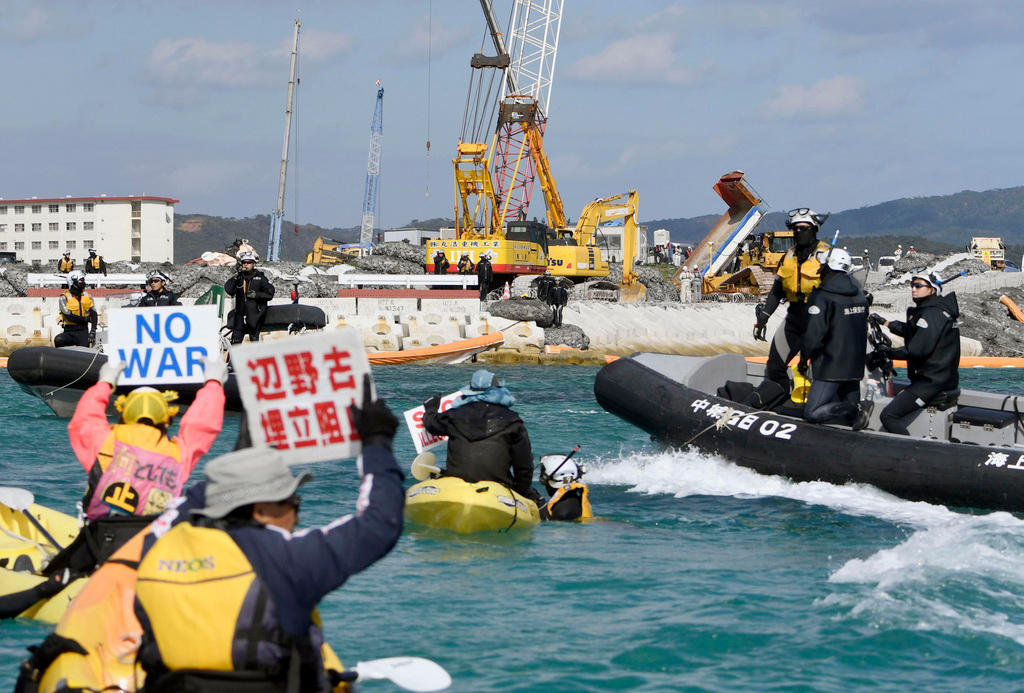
[
  {"x": 826, "y": 97},
  {"x": 647, "y": 59},
  {"x": 25, "y": 22},
  {"x": 318, "y": 46},
  {"x": 417, "y": 40}
]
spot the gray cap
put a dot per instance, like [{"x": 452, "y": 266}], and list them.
[{"x": 250, "y": 475}]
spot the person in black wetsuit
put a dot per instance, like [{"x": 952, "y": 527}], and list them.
[
  {"x": 441, "y": 263},
  {"x": 835, "y": 344},
  {"x": 569, "y": 496},
  {"x": 484, "y": 274},
  {"x": 487, "y": 441},
  {"x": 931, "y": 348},
  {"x": 252, "y": 292}
]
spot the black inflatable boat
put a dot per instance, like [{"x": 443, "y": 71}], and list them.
[
  {"x": 970, "y": 454},
  {"x": 60, "y": 376}
]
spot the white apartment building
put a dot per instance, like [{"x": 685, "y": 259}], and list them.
[{"x": 134, "y": 228}]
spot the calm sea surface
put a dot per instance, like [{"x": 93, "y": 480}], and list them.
[{"x": 698, "y": 576}]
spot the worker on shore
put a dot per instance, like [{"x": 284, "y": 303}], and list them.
[
  {"x": 465, "y": 265},
  {"x": 95, "y": 264},
  {"x": 568, "y": 496},
  {"x": 247, "y": 612},
  {"x": 835, "y": 344},
  {"x": 487, "y": 441},
  {"x": 252, "y": 292},
  {"x": 484, "y": 275},
  {"x": 157, "y": 293},
  {"x": 931, "y": 347},
  {"x": 76, "y": 313},
  {"x": 134, "y": 469},
  {"x": 441, "y": 263},
  {"x": 65, "y": 264},
  {"x": 796, "y": 278}
]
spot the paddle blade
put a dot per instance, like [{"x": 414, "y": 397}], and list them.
[
  {"x": 410, "y": 673},
  {"x": 423, "y": 466},
  {"x": 16, "y": 498}
]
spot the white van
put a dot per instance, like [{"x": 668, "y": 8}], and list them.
[{"x": 886, "y": 263}]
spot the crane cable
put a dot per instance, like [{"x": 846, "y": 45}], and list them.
[
  {"x": 295, "y": 146},
  {"x": 430, "y": 14}
]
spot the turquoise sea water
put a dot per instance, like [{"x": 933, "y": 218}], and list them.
[{"x": 699, "y": 575}]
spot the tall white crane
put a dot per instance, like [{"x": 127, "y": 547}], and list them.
[
  {"x": 373, "y": 170},
  {"x": 532, "y": 47},
  {"x": 274, "y": 245}
]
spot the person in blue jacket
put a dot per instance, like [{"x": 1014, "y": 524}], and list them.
[{"x": 226, "y": 585}]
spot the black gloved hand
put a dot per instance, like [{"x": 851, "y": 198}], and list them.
[
  {"x": 432, "y": 403},
  {"x": 374, "y": 422},
  {"x": 759, "y": 330},
  {"x": 801, "y": 367},
  {"x": 876, "y": 319},
  {"x": 250, "y": 295}
]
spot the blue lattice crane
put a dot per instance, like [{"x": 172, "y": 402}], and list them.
[{"x": 373, "y": 171}]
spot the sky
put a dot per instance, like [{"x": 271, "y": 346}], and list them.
[{"x": 833, "y": 105}]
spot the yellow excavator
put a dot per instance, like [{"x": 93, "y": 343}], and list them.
[{"x": 327, "y": 251}]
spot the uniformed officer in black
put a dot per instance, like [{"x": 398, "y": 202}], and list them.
[{"x": 835, "y": 344}]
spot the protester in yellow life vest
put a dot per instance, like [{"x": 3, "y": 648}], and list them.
[
  {"x": 134, "y": 467},
  {"x": 65, "y": 264},
  {"x": 94, "y": 264},
  {"x": 796, "y": 278},
  {"x": 226, "y": 587},
  {"x": 76, "y": 313},
  {"x": 562, "y": 479}
]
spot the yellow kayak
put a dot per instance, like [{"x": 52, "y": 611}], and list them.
[{"x": 448, "y": 502}]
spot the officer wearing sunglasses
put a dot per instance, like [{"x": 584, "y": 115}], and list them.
[
  {"x": 931, "y": 348},
  {"x": 797, "y": 276}
]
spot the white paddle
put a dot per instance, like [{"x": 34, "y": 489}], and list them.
[
  {"x": 410, "y": 673},
  {"x": 16, "y": 498},
  {"x": 424, "y": 467}
]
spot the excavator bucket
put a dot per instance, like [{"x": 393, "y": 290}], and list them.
[{"x": 632, "y": 293}]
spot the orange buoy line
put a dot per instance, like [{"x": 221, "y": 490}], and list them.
[{"x": 965, "y": 361}]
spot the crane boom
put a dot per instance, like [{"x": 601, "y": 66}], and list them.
[
  {"x": 373, "y": 170},
  {"x": 274, "y": 244}
]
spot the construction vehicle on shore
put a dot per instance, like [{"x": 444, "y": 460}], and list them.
[
  {"x": 988, "y": 249},
  {"x": 327, "y": 251}
]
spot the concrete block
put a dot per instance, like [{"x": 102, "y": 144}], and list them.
[
  {"x": 422, "y": 340},
  {"x": 373, "y": 306},
  {"x": 524, "y": 337},
  {"x": 450, "y": 305},
  {"x": 448, "y": 326}
]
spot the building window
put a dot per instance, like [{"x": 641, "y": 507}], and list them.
[
  {"x": 54, "y": 226},
  {"x": 3, "y": 246},
  {"x": 19, "y": 228},
  {"x": 69, "y": 245},
  {"x": 3, "y": 227},
  {"x": 87, "y": 244},
  {"x": 87, "y": 206},
  {"x": 37, "y": 245},
  {"x": 54, "y": 245},
  {"x": 3, "y": 209},
  {"x": 69, "y": 207},
  {"x": 87, "y": 226},
  {"x": 37, "y": 209},
  {"x": 19, "y": 245},
  {"x": 37, "y": 227},
  {"x": 54, "y": 209},
  {"x": 70, "y": 226},
  {"x": 19, "y": 209}
]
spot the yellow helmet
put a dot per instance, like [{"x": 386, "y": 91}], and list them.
[{"x": 147, "y": 403}]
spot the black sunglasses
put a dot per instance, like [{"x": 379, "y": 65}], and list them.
[{"x": 921, "y": 285}]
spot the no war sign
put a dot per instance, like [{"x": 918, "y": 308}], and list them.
[
  {"x": 162, "y": 345},
  {"x": 421, "y": 437}
]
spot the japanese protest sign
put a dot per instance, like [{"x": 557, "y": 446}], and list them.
[
  {"x": 162, "y": 345},
  {"x": 297, "y": 392},
  {"x": 421, "y": 438}
]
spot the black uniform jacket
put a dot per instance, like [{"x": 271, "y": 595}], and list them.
[
  {"x": 243, "y": 286},
  {"x": 835, "y": 340},
  {"x": 931, "y": 344}
]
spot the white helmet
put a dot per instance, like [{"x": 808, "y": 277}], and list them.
[
  {"x": 157, "y": 274},
  {"x": 805, "y": 215},
  {"x": 933, "y": 278},
  {"x": 836, "y": 259},
  {"x": 556, "y": 470},
  {"x": 76, "y": 276},
  {"x": 246, "y": 256}
]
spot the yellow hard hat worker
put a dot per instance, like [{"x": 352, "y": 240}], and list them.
[{"x": 147, "y": 405}]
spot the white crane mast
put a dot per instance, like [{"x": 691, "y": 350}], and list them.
[{"x": 532, "y": 47}]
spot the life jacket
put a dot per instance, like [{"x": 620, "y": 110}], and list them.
[
  {"x": 94, "y": 262},
  {"x": 65, "y": 265},
  {"x": 587, "y": 511},
  {"x": 77, "y": 305},
  {"x": 231, "y": 623},
  {"x": 799, "y": 279},
  {"x": 134, "y": 474}
]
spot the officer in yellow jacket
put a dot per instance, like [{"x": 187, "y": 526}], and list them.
[
  {"x": 797, "y": 277},
  {"x": 76, "y": 313},
  {"x": 569, "y": 496},
  {"x": 65, "y": 264},
  {"x": 95, "y": 264}
]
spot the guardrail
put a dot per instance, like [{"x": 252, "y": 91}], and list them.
[
  {"x": 353, "y": 280},
  {"x": 55, "y": 279}
]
